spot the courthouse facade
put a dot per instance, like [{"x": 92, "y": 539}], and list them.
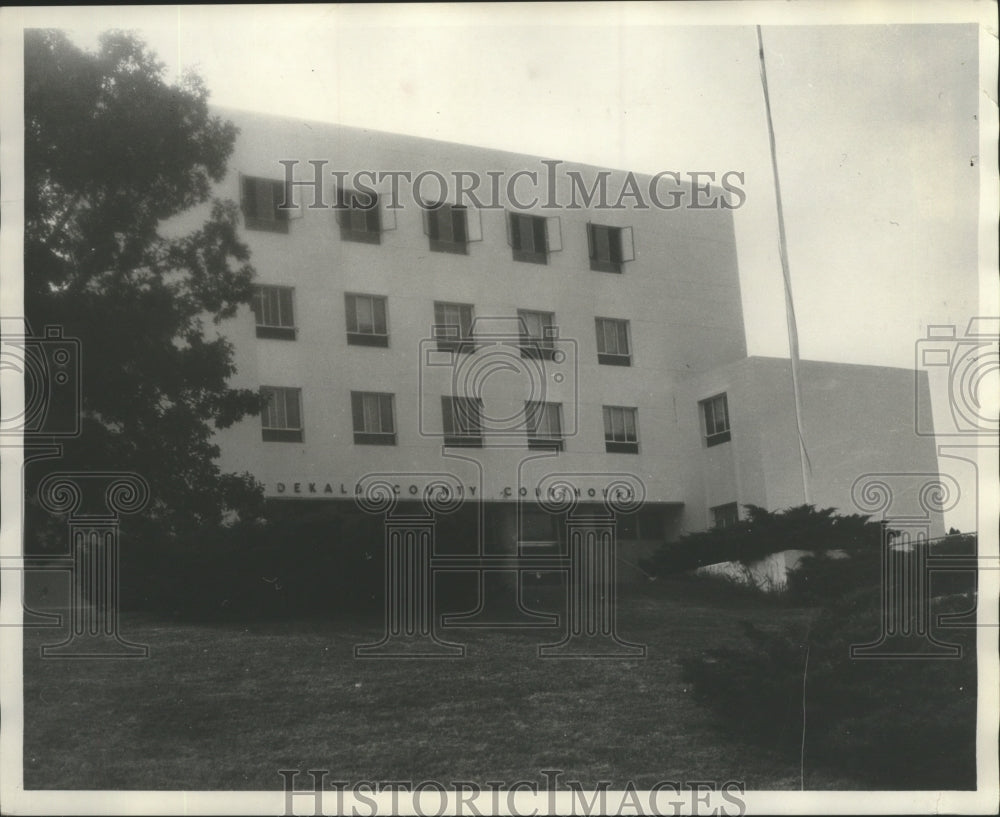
[{"x": 523, "y": 345}]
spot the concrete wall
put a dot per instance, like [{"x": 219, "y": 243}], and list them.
[
  {"x": 858, "y": 420},
  {"x": 680, "y": 294}
]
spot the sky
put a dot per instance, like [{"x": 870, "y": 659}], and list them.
[
  {"x": 877, "y": 125},
  {"x": 876, "y": 130}
]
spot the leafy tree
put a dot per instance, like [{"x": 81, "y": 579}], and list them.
[{"x": 112, "y": 151}]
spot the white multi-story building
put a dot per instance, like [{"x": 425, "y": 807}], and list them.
[{"x": 521, "y": 337}]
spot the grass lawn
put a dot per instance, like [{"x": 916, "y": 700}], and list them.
[{"x": 226, "y": 706}]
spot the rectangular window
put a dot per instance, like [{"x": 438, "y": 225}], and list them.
[
  {"x": 463, "y": 421},
  {"x": 528, "y": 238},
  {"x": 372, "y": 413},
  {"x": 272, "y": 309},
  {"x": 358, "y": 217},
  {"x": 261, "y": 200},
  {"x": 613, "y": 347},
  {"x": 281, "y": 417},
  {"x": 544, "y": 421},
  {"x": 453, "y": 327},
  {"x": 538, "y": 333},
  {"x": 447, "y": 227},
  {"x": 715, "y": 412},
  {"x": 367, "y": 324},
  {"x": 605, "y": 244},
  {"x": 621, "y": 434},
  {"x": 537, "y": 525},
  {"x": 725, "y": 516},
  {"x": 647, "y": 523}
]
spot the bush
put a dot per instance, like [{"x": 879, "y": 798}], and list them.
[
  {"x": 321, "y": 563},
  {"x": 763, "y": 532},
  {"x": 822, "y": 577},
  {"x": 892, "y": 723}
]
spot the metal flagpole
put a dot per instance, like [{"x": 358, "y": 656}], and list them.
[{"x": 793, "y": 335}]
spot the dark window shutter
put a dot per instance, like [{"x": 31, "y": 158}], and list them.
[
  {"x": 292, "y": 408},
  {"x": 615, "y": 245},
  {"x": 352, "y": 314},
  {"x": 264, "y": 198},
  {"x": 385, "y": 414},
  {"x": 515, "y": 231},
  {"x": 280, "y": 195},
  {"x": 285, "y": 299},
  {"x": 343, "y": 213},
  {"x": 447, "y": 416},
  {"x": 477, "y": 414},
  {"x": 379, "y": 315},
  {"x": 250, "y": 196},
  {"x": 372, "y": 217},
  {"x": 358, "y": 410},
  {"x": 267, "y": 413},
  {"x": 258, "y": 310},
  {"x": 623, "y": 347},
  {"x": 533, "y": 416},
  {"x": 538, "y": 233},
  {"x": 459, "y": 232}
]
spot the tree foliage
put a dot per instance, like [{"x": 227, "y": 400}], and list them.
[{"x": 112, "y": 152}]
